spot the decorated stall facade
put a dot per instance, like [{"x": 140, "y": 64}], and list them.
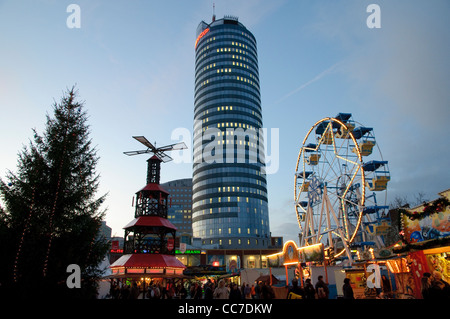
[
  {"x": 425, "y": 236},
  {"x": 303, "y": 259}
]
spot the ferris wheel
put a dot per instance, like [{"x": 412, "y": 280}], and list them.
[{"x": 341, "y": 187}]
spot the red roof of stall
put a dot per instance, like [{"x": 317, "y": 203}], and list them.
[
  {"x": 153, "y": 221},
  {"x": 148, "y": 261}
]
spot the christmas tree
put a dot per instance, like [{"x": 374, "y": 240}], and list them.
[{"x": 50, "y": 215}]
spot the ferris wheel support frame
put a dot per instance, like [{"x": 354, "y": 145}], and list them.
[
  {"x": 309, "y": 224},
  {"x": 378, "y": 239},
  {"x": 330, "y": 208}
]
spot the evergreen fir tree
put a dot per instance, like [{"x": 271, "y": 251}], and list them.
[{"x": 51, "y": 215}]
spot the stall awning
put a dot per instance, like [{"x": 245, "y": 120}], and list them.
[{"x": 148, "y": 261}]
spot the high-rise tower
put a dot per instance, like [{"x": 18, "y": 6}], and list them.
[{"x": 229, "y": 183}]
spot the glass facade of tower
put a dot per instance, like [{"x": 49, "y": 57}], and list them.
[{"x": 229, "y": 183}]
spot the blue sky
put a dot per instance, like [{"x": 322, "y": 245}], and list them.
[{"x": 133, "y": 64}]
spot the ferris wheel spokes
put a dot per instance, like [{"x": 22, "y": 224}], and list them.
[{"x": 338, "y": 229}]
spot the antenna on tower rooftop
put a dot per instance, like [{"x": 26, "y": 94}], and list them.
[{"x": 214, "y": 12}]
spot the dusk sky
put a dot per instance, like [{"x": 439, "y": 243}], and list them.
[{"x": 133, "y": 65}]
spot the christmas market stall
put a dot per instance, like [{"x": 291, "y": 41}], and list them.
[
  {"x": 425, "y": 234},
  {"x": 308, "y": 262},
  {"x": 374, "y": 278}
]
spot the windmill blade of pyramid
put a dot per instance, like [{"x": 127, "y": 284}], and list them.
[
  {"x": 144, "y": 141},
  {"x": 164, "y": 157},
  {"x": 173, "y": 147},
  {"x": 131, "y": 153}
]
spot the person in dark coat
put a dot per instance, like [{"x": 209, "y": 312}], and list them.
[
  {"x": 267, "y": 292},
  {"x": 386, "y": 286},
  {"x": 198, "y": 293},
  {"x": 208, "y": 290},
  {"x": 134, "y": 292},
  {"x": 125, "y": 291},
  {"x": 426, "y": 285},
  {"x": 310, "y": 292},
  {"x": 258, "y": 290},
  {"x": 347, "y": 289},
  {"x": 322, "y": 289},
  {"x": 439, "y": 289},
  {"x": 183, "y": 292},
  {"x": 235, "y": 292},
  {"x": 296, "y": 289}
]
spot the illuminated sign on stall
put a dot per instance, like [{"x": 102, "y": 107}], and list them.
[
  {"x": 312, "y": 253},
  {"x": 189, "y": 252},
  {"x": 290, "y": 253},
  {"x": 201, "y": 36}
]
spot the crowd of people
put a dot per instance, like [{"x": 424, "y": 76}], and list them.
[
  {"x": 153, "y": 291},
  {"x": 230, "y": 290},
  {"x": 321, "y": 291},
  {"x": 220, "y": 290},
  {"x": 209, "y": 290},
  {"x": 433, "y": 287},
  {"x": 309, "y": 291}
]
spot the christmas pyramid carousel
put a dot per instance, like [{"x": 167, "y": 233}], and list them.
[{"x": 149, "y": 241}]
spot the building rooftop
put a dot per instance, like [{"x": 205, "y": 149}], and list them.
[{"x": 228, "y": 19}]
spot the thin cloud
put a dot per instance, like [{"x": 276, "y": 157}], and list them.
[{"x": 315, "y": 79}]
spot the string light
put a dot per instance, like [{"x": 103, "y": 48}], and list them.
[
  {"x": 58, "y": 184},
  {"x": 25, "y": 230}
]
